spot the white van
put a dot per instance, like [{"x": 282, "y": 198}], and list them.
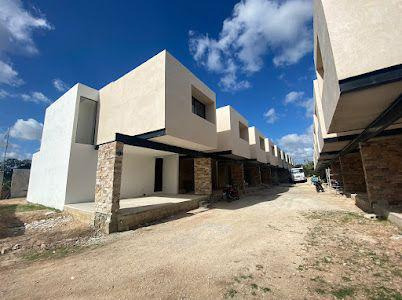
[{"x": 297, "y": 175}]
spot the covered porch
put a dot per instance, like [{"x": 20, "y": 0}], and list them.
[{"x": 134, "y": 212}]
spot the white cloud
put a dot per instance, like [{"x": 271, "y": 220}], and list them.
[
  {"x": 36, "y": 97},
  {"x": 60, "y": 85},
  {"x": 18, "y": 155},
  {"x": 298, "y": 99},
  {"x": 299, "y": 146},
  {"x": 16, "y": 27},
  {"x": 3, "y": 94},
  {"x": 26, "y": 129},
  {"x": 293, "y": 97},
  {"x": 255, "y": 28},
  {"x": 271, "y": 116},
  {"x": 308, "y": 104},
  {"x": 8, "y": 75}
]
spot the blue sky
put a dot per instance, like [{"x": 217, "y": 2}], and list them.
[{"x": 255, "y": 54}]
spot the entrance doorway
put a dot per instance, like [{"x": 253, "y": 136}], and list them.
[{"x": 158, "y": 174}]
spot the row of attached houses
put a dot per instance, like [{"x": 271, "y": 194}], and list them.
[
  {"x": 358, "y": 99},
  {"x": 154, "y": 130}
]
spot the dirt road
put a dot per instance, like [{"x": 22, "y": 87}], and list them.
[{"x": 284, "y": 243}]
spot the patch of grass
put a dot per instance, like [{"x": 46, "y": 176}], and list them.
[
  {"x": 344, "y": 278},
  {"x": 320, "y": 291},
  {"x": 231, "y": 293},
  {"x": 343, "y": 292},
  {"x": 59, "y": 252},
  {"x": 397, "y": 272},
  {"x": 350, "y": 216},
  {"x": 13, "y": 208},
  {"x": 246, "y": 276},
  {"x": 383, "y": 293},
  {"x": 259, "y": 267},
  {"x": 265, "y": 289},
  {"x": 254, "y": 286}
]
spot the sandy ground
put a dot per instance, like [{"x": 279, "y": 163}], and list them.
[{"x": 283, "y": 243}]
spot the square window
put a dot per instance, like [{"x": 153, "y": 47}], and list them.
[
  {"x": 262, "y": 144},
  {"x": 198, "y": 108}
]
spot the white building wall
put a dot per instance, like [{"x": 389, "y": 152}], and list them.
[
  {"x": 55, "y": 177},
  {"x": 138, "y": 175},
  {"x": 170, "y": 178}
]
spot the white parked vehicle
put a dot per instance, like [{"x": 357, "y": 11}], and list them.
[{"x": 297, "y": 175}]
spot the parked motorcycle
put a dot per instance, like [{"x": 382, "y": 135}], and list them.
[{"x": 230, "y": 193}]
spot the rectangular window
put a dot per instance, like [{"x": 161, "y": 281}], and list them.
[
  {"x": 243, "y": 131},
  {"x": 262, "y": 144},
  {"x": 85, "y": 133},
  {"x": 198, "y": 108}
]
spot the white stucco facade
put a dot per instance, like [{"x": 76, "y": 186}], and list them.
[
  {"x": 63, "y": 171},
  {"x": 232, "y": 130},
  {"x": 257, "y": 145}
]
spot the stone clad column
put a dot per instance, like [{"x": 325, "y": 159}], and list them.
[
  {"x": 107, "y": 188},
  {"x": 203, "y": 176},
  {"x": 352, "y": 173},
  {"x": 237, "y": 170},
  {"x": 382, "y": 164}
]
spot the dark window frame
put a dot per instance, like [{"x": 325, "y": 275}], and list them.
[{"x": 198, "y": 108}]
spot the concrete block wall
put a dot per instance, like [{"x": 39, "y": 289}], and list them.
[
  {"x": 19, "y": 183},
  {"x": 266, "y": 175},
  {"x": 238, "y": 175},
  {"x": 352, "y": 173},
  {"x": 382, "y": 165}
]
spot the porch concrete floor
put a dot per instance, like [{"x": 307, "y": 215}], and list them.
[
  {"x": 134, "y": 205},
  {"x": 141, "y": 203}
]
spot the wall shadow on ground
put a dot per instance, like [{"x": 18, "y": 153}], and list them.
[
  {"x": 10, "y": 224},
  {"x": 263, "y": 195}
]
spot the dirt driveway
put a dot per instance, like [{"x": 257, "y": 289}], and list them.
[{"x": 283, "y": 243}]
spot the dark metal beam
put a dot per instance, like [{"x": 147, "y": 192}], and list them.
[
  {"x": 383, "y": 121},
  {"x": 351, "y": 137},
  {"x": 389, "y": 116},
  {"x": 152, "y": 134},
  {"x": 371, "y": 79}
]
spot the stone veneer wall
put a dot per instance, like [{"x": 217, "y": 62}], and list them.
[
  {"x": 352, "y": 173},
  {"x": 255, "y": 174},
  {"x": 203, "y": 176},
  {"x": 336, "y": 173},
  {"x": 275, "y": 175},
  {"x": 266, "y": 175},
  {"x": 238, "y": 175},
  {"x": 382, "y": 164},
  {"x": 107, "y": 188}
]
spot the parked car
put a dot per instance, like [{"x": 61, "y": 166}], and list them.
[{"x": 297, "y": 175}]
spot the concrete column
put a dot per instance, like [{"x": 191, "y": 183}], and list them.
[
  {"x": 352, "y": 173},
  {"x": 107, "y": 188},
  {"x": 382, "y": 164},
  {"x": 237, "y": 169},
  {"x": 203, "y": 176}
]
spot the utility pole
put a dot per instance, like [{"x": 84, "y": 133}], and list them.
[{"x": 5, "y": 149}]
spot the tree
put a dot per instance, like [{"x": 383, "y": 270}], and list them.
[
  {"x": 308, "y": 168},
  {"x": 7, "y": 167}
]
